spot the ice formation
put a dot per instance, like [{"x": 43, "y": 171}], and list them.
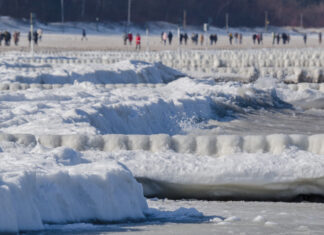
[
  {"x": 199, "y": 145},
  {"x": 61, "y": 187},
  {"x": 287, "y": 65},
  {"x": 73, "y": 123}
]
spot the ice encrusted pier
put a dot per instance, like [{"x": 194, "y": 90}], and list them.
[
  {"x": 199, "y": 145},
  {"x": 16, "y": 86},
  {"x": 287, "y": 65}
]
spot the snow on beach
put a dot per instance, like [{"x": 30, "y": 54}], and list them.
[{"x": 78, "y": 128}]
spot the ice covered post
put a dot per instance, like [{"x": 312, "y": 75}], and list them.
[
  {"x": 266, "y": 21},
  {"x": 226, "y": 21},
  {"x": 129, "y": 12},
  {"x": 184, "y": 19},
  {"x": 205, "y": 31},
  {"x": 62, "y": 14},
  {"x": 179, "y": 37}
]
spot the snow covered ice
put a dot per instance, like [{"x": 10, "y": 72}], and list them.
[
  {"x": 86, "y": 135},
  {"x": 61, "y": 188}
]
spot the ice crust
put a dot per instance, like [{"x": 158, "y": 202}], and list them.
[
  {"x": 61, "y": 187},
  {"x": 86, "y": 109}
]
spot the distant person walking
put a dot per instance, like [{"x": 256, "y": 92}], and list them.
[
  {"x": 305, "y": 38},
  {"x": 241, "y": 38},
  {"x": 164, "y": 38},
  {"x": 185, "y": 37},
  {"x": 16, "y": 38},
  {"x": 236, "y": 37},
  {"x": 259, "y": 38},
  {"x": 254, "y": 38},
  {"x": 284, "y": 37},
  {"x": 320, "y": 38},
  {"x": 1, "y": 38},
  {"x": 138, "y": 42},
  {"x": 35, "y": 37},
  {"x": 230, "y": 36},
  {"x": 125, "y": 38},
  {"x": 278, "y": 38},
  {"x": 7, "y": 38},
  {"x": 130, "y": 38},
  {"x": 84, "y": 35},
  {"x": 273, "y": 38},
  {"x": 40, "y": 34},
  {"x": 201, "y": 39},
  {"x": 181, "y": 38},
  {"x": 170, "y": 36},
  {"x": 213, "y": 39},
  {"x": 29, "y": 38}
]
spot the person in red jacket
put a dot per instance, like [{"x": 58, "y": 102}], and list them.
[
  {"x": 130, "y": 38},
  {"x": 138, "y": 42}
]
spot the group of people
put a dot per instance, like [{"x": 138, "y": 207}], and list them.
[
  {"x": 238, "y": 38},
  {"x": 128, "y": 37},
  {"x": 195, "y": 38},
  {"x": 166, "y": 37},
  {"x": 35, "y": 36},
  {"x": 257, "y": 38},
  {"x": 199, "y": 39},
  {"x": 276, "y": 37},
  {"x": 319, "y": 38},
  {"x": 213, "y": 38},
  {"x": 183, "y": 38},
  {"x": 6, "y": 38}
]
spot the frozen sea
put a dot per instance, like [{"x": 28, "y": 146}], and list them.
[
  {"x": 218, "y": 218},
  {"x": 165, "y": 142}
]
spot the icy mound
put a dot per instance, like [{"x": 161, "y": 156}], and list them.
[
  {"x": 176, "y": 108},
  {"x": 55, "y": 188},
  {"x": 128, "y": 71}
]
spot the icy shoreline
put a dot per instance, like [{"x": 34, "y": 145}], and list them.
[{"x": 76, "y": 130}]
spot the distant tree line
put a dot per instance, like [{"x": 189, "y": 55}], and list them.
[{"x": 248, "y": 13}]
